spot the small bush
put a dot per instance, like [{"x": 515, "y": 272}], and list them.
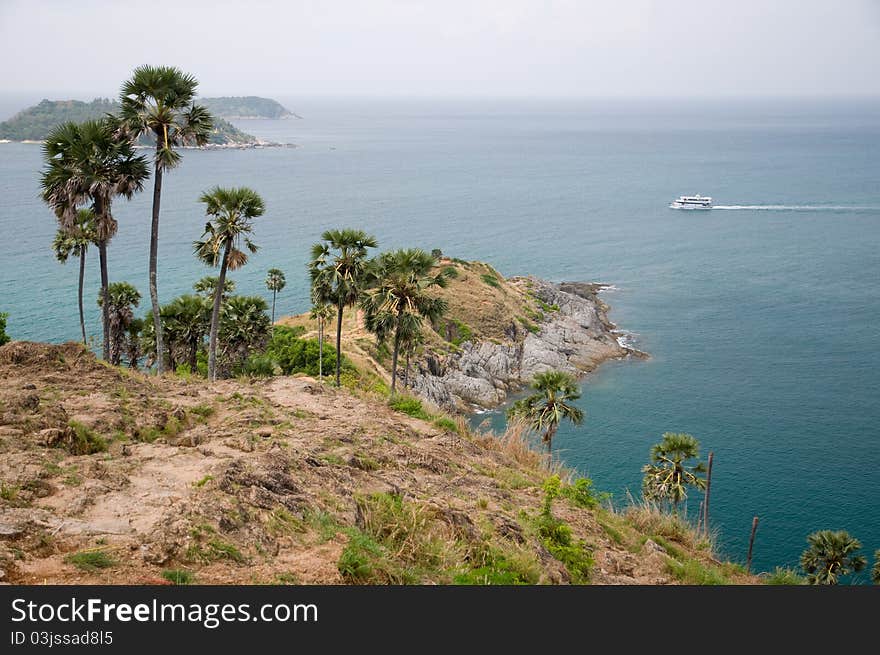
[
  {"x": 84, "y": 441},
  {"x": 260, "y": 366},
  {"x": 451, "y": 272},
  {"x": 203, "y": 411},
  {"x": 295, "y": 355},
  {"x": 784, "y": 576},
  {"x": 408, "y": 405},
  {"x": 4, "y": 338},
  {"x": 183, "y": 371},
  {"x": 90, "y": 560},
  {"x": 491, "y": 280},
  {"x": 693, "y": 572},
  {"x": 462, "y": 332},
  {"x": 581, "y": 493},
  {"x": 500, "y": 571},
  {"x": 446, "y": 423},
  {"x": 179, "y": 576}
]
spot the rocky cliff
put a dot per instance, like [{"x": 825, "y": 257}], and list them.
[{"x": 575, "y": 335}]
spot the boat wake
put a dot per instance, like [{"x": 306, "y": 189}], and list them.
[{"x": 804, "y": 208}]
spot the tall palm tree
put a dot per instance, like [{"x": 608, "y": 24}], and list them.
[
  {"x": 337, "y": 271},
  {"x": 75, "y": 242},
  {"x": 400, "y": 298},
  {"x": 91, "y": 163},
  {"x": 121, "y": 298},
  {"x": 831, "y": 555},
  {"x": 233, "y": 211},
  {"x": 321, "y": 312},
  {"x": 275, "y": 282},
  {"x": 549, "y": 405},
  {"x": 133, "y": 343},
  {"x": 159, "y": 101},
  {"x": 668, "y": 475}
]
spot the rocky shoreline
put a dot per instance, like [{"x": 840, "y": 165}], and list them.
[{"x": 576, "y": 336}]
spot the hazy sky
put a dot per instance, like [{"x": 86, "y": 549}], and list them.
[{"x": 448, "y": 47}]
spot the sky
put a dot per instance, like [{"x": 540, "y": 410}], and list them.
[{"x": 520, "y": 48}]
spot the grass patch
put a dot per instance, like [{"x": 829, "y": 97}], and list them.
[
  {"x": 205, "y": 480},
  {"x": 324, "y": 523},
  {"x": 446, "y": 423},
  {"x": 84, "y": 441},
  {"x": 203, "y": 411},
  {"x": 693, "y": 572},
  {"x": 365, "y": 463},
  {"x": 491, "y": 280},
  {"x": 528, "y": 325},
  {"x": 409, "y": 405},
  {"x": 282, "y": 522},
  {"x": 9, "y": 493},
  {"x": 499, "y": 571},
  {"x": 90, "y": 560},
  {"x": 179, "y": 576},
  {"x": 784, "y": 576},
  {"x": 581, "y": 493}
]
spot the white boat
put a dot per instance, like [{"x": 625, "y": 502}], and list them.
[{"x": 692, "y": 202}]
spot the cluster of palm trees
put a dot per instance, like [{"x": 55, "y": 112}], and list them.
[{"x": 392, "y": 289}]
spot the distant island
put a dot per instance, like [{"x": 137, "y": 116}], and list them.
[
  {"x": 247, "y": 107},
  {"x": 35, "y": 123}
]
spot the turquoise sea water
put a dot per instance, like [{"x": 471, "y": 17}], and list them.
[{"x": 762, "y": 320}]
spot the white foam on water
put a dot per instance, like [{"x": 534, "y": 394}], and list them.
[
  {"x": 812, "y": 208},
  {"x": 625, "y": 339}
]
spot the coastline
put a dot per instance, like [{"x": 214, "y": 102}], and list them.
[
  {"x": 576, "y": 337},
  {"x": 256, "y": 145}
]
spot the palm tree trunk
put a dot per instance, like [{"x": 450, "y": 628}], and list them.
[
  {"x": 548, "y": 437},
  {"x": 338, "y": 341},
  {"x": 193, "y": 356},
  {"x": 321, "y": 349},
  {"x": 273, "y": 306},
  {"x": 394, "y": 355},
  {"x": 406, "y": 371},
  {"x": 154, "y": 252},
  {"x": 215, "y": 317},
  {"x": 82, "y": 274},
  {"x": 105, "y": 305}
]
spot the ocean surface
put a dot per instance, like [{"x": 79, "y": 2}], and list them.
[{"x": 762, "y": 319}]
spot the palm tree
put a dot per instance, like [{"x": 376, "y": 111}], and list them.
[
  {"x": 668, "y": 475},
  {"x": 208, "y": 286},
  {"x": 831, "y": 555},
  {"x": 275, "y": 282},
  {"x": 321, "y": 312},
  {"x": 233, "y": 211},
  {"x": 551, "y": 402},
  {"x": 186, "y": 319},
  {"x": 400, "y": 299},
  {"x": 75, "y": 242},
  {"x": 91, "y": 162},
  {"x": 121, "y": 298},
  {"x": 337, "y": 272},
  {"x": 244, "y": 328},
  {"x": 159, "y": 101},
  {"x": 875, "y": 570}
]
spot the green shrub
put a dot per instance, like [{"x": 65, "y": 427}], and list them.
[
  {"x": 783, "y": 576},
  {"x": 581, "y": 493},
  {"x": 4, "y": 338},
  {"x": 693, "y": 572},
  {"x": 408, "y": 405},
  {"x": 295, "y": 355},
  {"x": 451, "y": 272},
  {"x": 183, "y": 371},
  {"x": 179, "y": 576},
  {"x": 259, "y": 365},
  {"x": 90, "y": 560},
  {"x": 363, "y": 561},
  {"x": 499, "y": 571},
  {"x": 84, "y": 440},
  {"x": 446, "y": 423},
  {"x": 528, "y": 325},
  {"x": 463, "y": 333},
  {"x": 491, "y": 280},
  {"x": 557, "y": 538}
]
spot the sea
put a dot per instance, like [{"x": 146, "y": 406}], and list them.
[{"x": 761, "y": 317}]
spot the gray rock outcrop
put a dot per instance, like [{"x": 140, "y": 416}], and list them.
[{"x": 575, "y": 336}]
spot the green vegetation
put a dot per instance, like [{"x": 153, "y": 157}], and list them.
[
  {"x": 122, "y": 297},
  {"x": 158, "y": 103},
  {"x": 581, "y": 493},
  {"x": 557, "y": 537},
  {"x": 550, "y": 404},
  {"x": 338, "y": 270},
  {"x": 275, "y": 282},
  {"x": 831, "y": 555},
  {"x": 668, "y": 475},
  {"x": 4, "y": 338},
  {"x": 409, "y": 405},
  {"x": 322, "y": 312},
  {"x": 231, "y": 213},
  {"x": 74, "y": 241},
  {"x": 296, "y": 355},
  {"x": 90, "y": 560},
  {"x": 398, "y": 297},
  {"x": 84, "y": 441},
  {"x": 35, "y": 123},
  {"x": 491, "y": 280},
  {"x": 245, "y": 107},
  {"x": 179, "y": 576},
  {"x": 461, "y": 333},
  {"x": 783, "y": 576}
]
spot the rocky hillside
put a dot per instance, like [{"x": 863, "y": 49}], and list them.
[
  {"x": 110, "y": 476},
  {"x": 497, "y": 334}
]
